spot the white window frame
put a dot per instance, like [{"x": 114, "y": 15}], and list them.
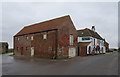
[
  {"x": 45, "y": 36},
  {"x": 18, "y": 38},
  {"x": 71, "y": 39},
  {"x": 31, "y": 37},
  {"x": 27, "y": 37}
]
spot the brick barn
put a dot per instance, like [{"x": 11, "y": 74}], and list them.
[{"x": 56, "y": 38}]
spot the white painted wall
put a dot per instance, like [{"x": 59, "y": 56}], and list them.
[{"x": 92, "y": 44}]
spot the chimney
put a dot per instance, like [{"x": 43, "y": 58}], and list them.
[{"x": 93, "y": 28}]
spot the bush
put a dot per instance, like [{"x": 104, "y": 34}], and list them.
[
  {"x": 118, "y": 49},
  {"x": 8, "y": 51}
]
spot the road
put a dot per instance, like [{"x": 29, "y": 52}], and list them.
[{"x": 105, "y": 64}]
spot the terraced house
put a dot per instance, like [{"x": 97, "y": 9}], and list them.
[
  {"x": 56, "y": 38},
  {"x": 90, "y": 42}
]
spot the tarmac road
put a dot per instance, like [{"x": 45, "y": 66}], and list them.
[{"x": 104, "y": 64}]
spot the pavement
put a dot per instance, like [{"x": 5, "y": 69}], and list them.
[{"x": 104, "y": 64}]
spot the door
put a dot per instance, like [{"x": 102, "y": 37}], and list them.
[
  {"x": 72, "y": 52},
  {"x": 83, "y": 51},
  {"x": 21, "y": 50},
  {"x": 32, "y": 51}
]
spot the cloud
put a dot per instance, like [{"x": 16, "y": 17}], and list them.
[{"x": 84, "y": 14}]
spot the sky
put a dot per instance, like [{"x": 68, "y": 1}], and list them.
[{"x": 104, "y": 15}]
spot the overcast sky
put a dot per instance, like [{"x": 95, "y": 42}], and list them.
[{"x": 104, "y": 15}]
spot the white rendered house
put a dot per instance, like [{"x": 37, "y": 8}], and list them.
[{"x": 95, "y": 41}]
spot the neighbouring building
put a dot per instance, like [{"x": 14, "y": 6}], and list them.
[
  {"x": 3, "y": 47},
  {"x": 90, "y": 42},
  {"x": 106, "y": 44},
  {"x": 56, "y": 38}
]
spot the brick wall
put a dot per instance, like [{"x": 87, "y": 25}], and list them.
[{"x": 42, "y": 47}]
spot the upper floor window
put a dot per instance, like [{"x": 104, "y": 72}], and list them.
[
  {"x": 27, "y": 37},
  {"x": 18, "y": 38},
  {"x": 82, "y": 33},
  {"x": 71, "y": 39},
  {"x": 31, "y": 37},
  {"x": 45, "y": 36}
]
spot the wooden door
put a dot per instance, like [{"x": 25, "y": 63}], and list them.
[
  {"x": 72, "y": 52},
  {"x": 83, "y": 51},
  {"x": 21, "y": 50}
]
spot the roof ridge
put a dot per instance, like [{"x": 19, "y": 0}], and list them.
[
  {"x": 48, "y": 20},
  {"x": 54, "y": 23},
  {"x": 99, "y": 35}
]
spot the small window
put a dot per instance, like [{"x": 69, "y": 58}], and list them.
[
  {"x": 45, "y": 36},
  {"x": 31, "y": 37},
  {"x": 82, "y": 32},
  {"x": 18, "y": 38},
  {"x": 26, "y": 48},
  {"x": 27, "y": 37}
]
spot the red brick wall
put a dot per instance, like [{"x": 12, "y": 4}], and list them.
[
  {"x": 23, "y": 42},
  {"x": 42, "y": 47},
  {"x": 63, "y": 38},
  {"x": 45, "y": 47}
]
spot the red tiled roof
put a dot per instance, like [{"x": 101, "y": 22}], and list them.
[
  {"x": 88, "y": 32},
  {"x": 43, "y": 26}
]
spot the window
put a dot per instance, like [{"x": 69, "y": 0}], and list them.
[
  {"x": 18, "y": 38},
  {"x": 31, "y": 37},
  {"x": 82, "y": 32},
  {"x": 98, "y": 41},
  {"x": 85, "y": 38},
  {"x": 71, "y": 39},
  {"x": 26, "y": 48},
  {"x": 45, "y": 36},
  {"x": 27, "y": 37}
]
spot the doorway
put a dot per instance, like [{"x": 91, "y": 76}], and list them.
[
  {"x": 83, "y": 51},
  {"x": 22, "y": 52},
  {"x": 32, "y": 51}
]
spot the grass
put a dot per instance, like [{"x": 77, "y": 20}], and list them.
[{"x": 6, "y": 52}]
